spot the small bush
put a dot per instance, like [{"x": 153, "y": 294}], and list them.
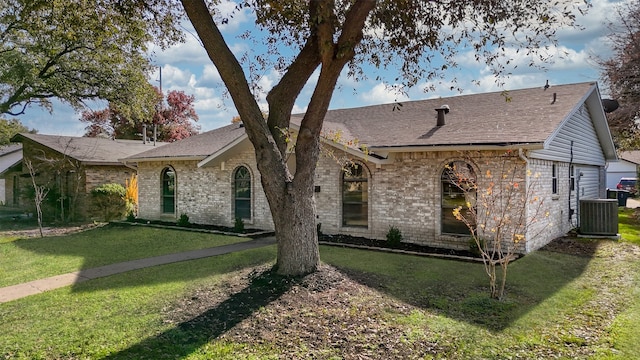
[
  {"x": 238, "y": 226},
  {"x": 131, "y": 216},
  {"x": 109, "y": 200},
  {"x": 183, "y": 220},
  {"x": 394, "y": 237}
]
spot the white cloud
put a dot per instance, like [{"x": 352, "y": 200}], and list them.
[
  {"x": 235, "y": 17},
  {"x": 383, "y": 94},
  {"x": 188, "y": 52}
]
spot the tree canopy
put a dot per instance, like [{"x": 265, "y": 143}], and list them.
[
  {"x": 78, "y": 50},
  {"x": 175, "y": 120},
  {"x": 621, "y": 73},
  {"x": 9, "y": 128},
  {"x": 328, "y": 36}
]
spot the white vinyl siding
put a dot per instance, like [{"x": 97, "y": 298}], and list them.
[
  {"x": 586, "y": 146},
  {"x": 588, "y": 186}
]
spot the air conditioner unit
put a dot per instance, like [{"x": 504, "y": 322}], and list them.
[{"x": 599, "y": 217}]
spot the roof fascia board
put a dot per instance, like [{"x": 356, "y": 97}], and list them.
[
  {"x": 349, "y": 150},
  {"x": 223, "y": 150},
  {"x": 10, "y": 168},
  {"x": 594, "y": 103},
  {"x": 424, "y": 148},
  {"x": 164, "y": 158}
]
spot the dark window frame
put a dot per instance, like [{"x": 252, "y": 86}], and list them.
[
  {"x": 168, "y": 190},
  {"x": 355, "y": 196},
  {"x": 453, "y": 196},
  {"x": 242, "y": 193}
]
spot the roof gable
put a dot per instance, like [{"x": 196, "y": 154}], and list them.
[
  {"x": 88, "y": 150},
  {"x": 196, "y": 147},
  {"x": 500, "y": 118}
]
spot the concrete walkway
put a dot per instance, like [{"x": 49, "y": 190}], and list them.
[{"x": 14, "y": 292}]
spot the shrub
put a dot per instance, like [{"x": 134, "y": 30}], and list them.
[
  {"x": 131, "y": 217},
  {"x": 394, "y": 237},
  {"x": 109, "y": 200},
  {"x": 183, "y": 220},
  {"x": 238, "y": 226},
  {"x": 131, "y": 195}
]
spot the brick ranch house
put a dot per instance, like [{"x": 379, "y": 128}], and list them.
[
  {"x": 560, "y": 133},
  {"x": 70, "y": 167}
]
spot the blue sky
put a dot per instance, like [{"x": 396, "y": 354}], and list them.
[{"x": 187, "y": 68}]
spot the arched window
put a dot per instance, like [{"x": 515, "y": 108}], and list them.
[
  {"x": 168, "y": 191},
  {"x": 242, "y": 193},
  {"x": 355, "y": 196},
  {"x": 458, "y": 187}
]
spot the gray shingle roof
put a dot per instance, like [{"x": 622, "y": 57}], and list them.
[
  {"x": 7, "y": 149},
  {"x": 530, "y": 116},
  {"x": 195, "y": 147},
  {"x": 90, "y": 150},
  {"x": 631, "y": 156}
]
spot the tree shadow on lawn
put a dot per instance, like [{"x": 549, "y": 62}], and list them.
[
  {"x": 182, "y": 340},
  {"x": 460, "y": 290},
  {"x": 103, "y": 258}
]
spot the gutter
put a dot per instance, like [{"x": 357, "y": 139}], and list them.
[{"x": 383, "y": 150}]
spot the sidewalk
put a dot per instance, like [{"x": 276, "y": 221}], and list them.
[{"x": 14, "y": 292}]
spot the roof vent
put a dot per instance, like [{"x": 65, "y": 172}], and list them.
[{"x": 444, "y": 109}]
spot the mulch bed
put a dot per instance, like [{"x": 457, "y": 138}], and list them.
[{"x": 382, "y": 244}]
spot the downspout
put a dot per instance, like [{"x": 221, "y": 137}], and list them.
[
  {"x": 132, "y": 167},
  {"x": 571, "y": 211},
  {"x": 526, "y": 186}
]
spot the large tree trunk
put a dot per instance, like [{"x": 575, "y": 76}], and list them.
[{"x": 296, "y": 233}]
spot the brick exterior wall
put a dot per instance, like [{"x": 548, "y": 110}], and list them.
[
  {"x": 406, "y": 194},
  {"x": 54, "y": 170},
  {"x": 204, "y": 194}
]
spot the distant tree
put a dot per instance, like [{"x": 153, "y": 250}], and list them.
[
  {"x": 175, "y": 120},
  {"x": 77, "y": 50},
  {"x": 9, "y": 128},
  {"x": 621, "y": 73}
]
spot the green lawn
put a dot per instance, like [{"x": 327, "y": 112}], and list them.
[
  {"x": 23, "y": 260},
  {"x": 628, "y": 226},
  {"x": 557, "y": 306}
]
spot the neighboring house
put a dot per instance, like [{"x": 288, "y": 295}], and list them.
[
  {"x": 10, "y": 156},
  {"x": 402, "y": 154},
  {"x": 627, "y": 166},
  {"x": 70, "y": 167}
]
